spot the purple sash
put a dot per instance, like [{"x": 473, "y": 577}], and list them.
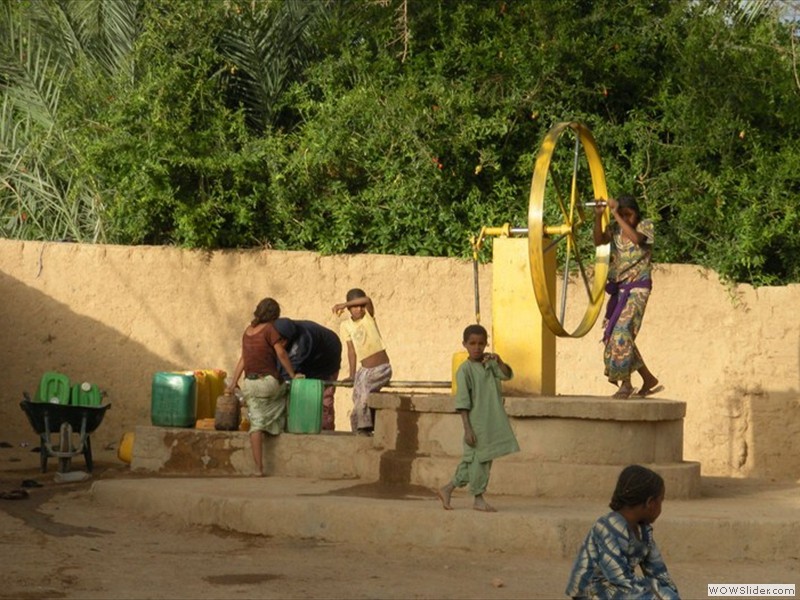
[{"x": 618, "y": 297}]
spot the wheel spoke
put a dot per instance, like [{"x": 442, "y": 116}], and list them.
[
  {"x": 584, "y": 276},
  {"x": 573, "y": 196},
  {"x": 559, "y": 195},
  {"x": 565, "y": 281},
  {"x": 553, "y": 243}
]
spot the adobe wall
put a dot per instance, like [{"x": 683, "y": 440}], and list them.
[{"x": 115, "y": 315}]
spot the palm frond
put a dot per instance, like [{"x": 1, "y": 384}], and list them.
[
  {"x": 267, "y": 49},
  {"x": 32, "y": 75},
  {"x": 108, "y": 30}
]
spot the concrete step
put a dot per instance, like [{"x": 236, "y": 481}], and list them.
[{"x": 732, "y": 520}]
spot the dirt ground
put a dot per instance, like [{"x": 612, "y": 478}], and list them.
[{"x": 59, "y": 543}]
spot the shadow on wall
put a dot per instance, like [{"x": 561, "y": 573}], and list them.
[
  {"x": 57, "y": 339},
  {"x": 773, "y": 439}
]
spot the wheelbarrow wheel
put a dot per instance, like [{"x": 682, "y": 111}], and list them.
[{"x": 65, "y": 462}]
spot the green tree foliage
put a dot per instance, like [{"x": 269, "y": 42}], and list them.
[{"x": 395, "y": 126}]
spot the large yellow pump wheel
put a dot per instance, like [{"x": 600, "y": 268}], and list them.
[{"x": 570, "y": 238}]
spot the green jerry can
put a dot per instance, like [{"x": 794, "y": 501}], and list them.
[
  {"x": 305, "y": 406},
  {"x": 54, "y": 387},
  {"x": 173, "y": 400},
  {"x": 85, "y": 394}
]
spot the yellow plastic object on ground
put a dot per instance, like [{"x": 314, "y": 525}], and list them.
[
  {"x": 204, "y": 424},
  {"x": 125, "y": 450}
]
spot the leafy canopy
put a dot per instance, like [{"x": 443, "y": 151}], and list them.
[{"x": 395, "y": 126}]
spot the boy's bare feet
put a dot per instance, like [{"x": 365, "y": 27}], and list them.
[
  {"x": 444, "y": 494},
  {"x": 481, "y": 505}
]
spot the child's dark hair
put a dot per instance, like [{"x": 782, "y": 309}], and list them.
[
  {"x": 630, "y": 203},
  {"x": 267, "y": 310},
  {"x": 355, "y": 293},
  {"x": 635, "y": 486},
  {"x": 474, "y": 330}
]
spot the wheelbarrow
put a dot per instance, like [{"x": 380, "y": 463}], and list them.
[{"x": 46, "y": 418}]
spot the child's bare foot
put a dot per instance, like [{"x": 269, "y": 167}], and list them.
[
  {"x": 481, "y": 505},
  {"x": 444, "y": 494}
]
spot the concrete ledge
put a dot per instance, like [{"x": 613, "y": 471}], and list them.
[
  {"x": 596, "y": 408},
  {"x": 558, "y": 480},
  {"x": 170, "y": 450},
  {"x": 760, "y": 526},
  {"x": 570, "y": 407}
]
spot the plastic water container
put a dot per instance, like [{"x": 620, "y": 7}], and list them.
[
  {"x": 54, "y": 385},
  {"x": 85, "y": 394},
  {"x": 305, "y": 406},
  {"x": 216, "y": 386},
  {"x": 203, "y": 396},
  {"x": 226, "y": 415},
  {"x": 125, "y": 450},
  {"x": 173, "y": 400},
  {"x": 210, "y": 385}
]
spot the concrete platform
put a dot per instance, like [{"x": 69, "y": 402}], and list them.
[
  {"x": 344, "y": 488},
  {"x": 733, "y": 519},
  {"x": 571, "y": 447}
]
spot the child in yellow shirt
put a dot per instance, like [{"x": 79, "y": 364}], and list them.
[{"x": 365, "y": 347}]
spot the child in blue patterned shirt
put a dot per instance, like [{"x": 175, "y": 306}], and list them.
[{"x": 622, "y": 540}]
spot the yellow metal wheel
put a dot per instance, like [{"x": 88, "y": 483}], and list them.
[{"x": 571, "y": 239}]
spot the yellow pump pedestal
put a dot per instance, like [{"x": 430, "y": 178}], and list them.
[
  {"x": 458, "y": 358},
  {"x": 519, "y": 334}
]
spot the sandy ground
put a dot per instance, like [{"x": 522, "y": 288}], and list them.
[{"x": 59, "y": 543}]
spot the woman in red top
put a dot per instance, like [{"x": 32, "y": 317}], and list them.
[{"x": 262, "y": 389}]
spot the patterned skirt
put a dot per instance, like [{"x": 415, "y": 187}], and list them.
[{"x": 621, "y": 356}]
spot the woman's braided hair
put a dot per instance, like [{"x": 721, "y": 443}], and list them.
[{"x": 636, "y": 484}]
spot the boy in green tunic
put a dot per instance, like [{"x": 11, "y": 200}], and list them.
[{"x": 487, "y": 432}]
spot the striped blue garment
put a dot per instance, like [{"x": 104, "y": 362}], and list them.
[{"x": 605, "y": 567}]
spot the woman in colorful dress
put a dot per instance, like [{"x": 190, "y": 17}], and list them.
[{"x": 629, "y": 285}]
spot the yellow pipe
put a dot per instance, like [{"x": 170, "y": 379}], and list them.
[{"x": 557, "y": 229}]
